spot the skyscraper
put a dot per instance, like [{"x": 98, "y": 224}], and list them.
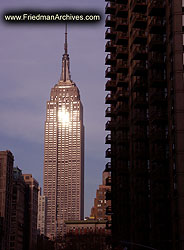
[
  {"x": 64, "y": 153},
  {"x": 146, "y": 121},
  {"x": 6, "y": 181}
]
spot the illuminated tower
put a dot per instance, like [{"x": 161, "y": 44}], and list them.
[{"x": 64, "y": 153}]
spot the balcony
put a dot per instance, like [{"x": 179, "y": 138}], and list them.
[
  {"x": 121, "y": 38},
  {"x": 157, "y": 25},
  {"x": 139, "y": 84},
  {"x": 109, "y": 99},
  {"x": 108, "y": 181},
  {"x": 157, "y": 43},
  {"x": 140, "y": 102},
  {"x": 110, "y": 72},
  {"x": 109, "y": 210},
  {"x": 108, "y": 139},
  {"x": 122, "y": 66},
  {"x": 110, "y": 60},
  {"x": 110, "y": 34},
  {"x": 121, "y": 24},
  {"x": 139, "y": 21},
  {"x": 122, "y": 52},
  {"x": 109, "y": 112},
  {"x": 108, "y": 153},
  {"x": 121, "y": 108},
  {"x": 139, "y": 68},
  {"x": 121, "y": 10},
  {"x": 139, "y": 52},
  {"x": 122, "y": 80},
  {"x": 139, "y": 37},
  {"x": 110, "y": 85},
  {"x": 110, "y": 47},
  {"x": 156, "y": 8},
  {"x": 122, "y": 95},
  {"x": 108, "y": 167},
  {"x": 110, "y": 125},
  {"x": 139, "y": 6},
  {"x": 110, "y": 8},
  {"x": 110, "y": 21}
]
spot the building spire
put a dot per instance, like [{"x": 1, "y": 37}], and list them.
[{"x": 65, "y": 74}]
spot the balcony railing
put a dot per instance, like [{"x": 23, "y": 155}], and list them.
[
  {"x": 110, "y": 72},
  {"x": 110, "y": 60},
  {"x": 122, "y": 94},
  {"x": 109, "y": 112},
  {"x": 108, "y": 139},
  {"x": 110, "y": 34},
  {"x": 110, "y": 47},
  {"x": 108, "y": 153},
  {"x": 156, "y": 8},
  {"x": 110, "y": 21},
  {"x": 109, "y": 99},
  {"x": 121, "y": 10},
  {"x": 121, "y": 24},
  {"x": 138, "y": 5},
  {"x": 122, "y": 66},
  {"x": 139, "y": 37},
  {"x": 157, "y": 25},
  {"x": 108, "y": 167},
  {"x": 110, "y": 8},
  {"x": 139, "y": 20},
  {"x": 139, "y": 52},
  {"x": 110, "y": 125},
  {"x": 122, "y": 80},
  {"x": 110, "y": 85},
  {"x": 122, "y": 108},
  {"x": 121, "y": 38}
]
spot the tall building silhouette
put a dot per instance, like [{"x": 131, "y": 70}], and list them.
[
  {"x": 146, "y": 121},
  {"x": 64, "y": 153}
]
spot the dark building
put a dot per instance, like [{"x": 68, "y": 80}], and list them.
[
  {"x": 146, "y": 121},
  {"x": 18, "y": 211},
  {"x": 6, "y": 169},
  {"x": 31, "y": 211}
]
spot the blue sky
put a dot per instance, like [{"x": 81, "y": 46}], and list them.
[{"x": 30, "y": 65}]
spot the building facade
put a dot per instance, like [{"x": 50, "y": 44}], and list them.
[
  {"x": 31, "y": 211},
  {"x": 42, "y": 213},
  {"x": 64, "y": 153},
  {"x": 102, "y": 201},
  {"x": 146, "y": 121},
  {"x": 18, "y": 211},
  {"x": 6, "y": 170}
]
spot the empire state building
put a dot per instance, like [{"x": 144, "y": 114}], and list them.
[{"x": 64, "y": 153}]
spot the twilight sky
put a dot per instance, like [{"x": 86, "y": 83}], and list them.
[{"x": 30, "y": 65}]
